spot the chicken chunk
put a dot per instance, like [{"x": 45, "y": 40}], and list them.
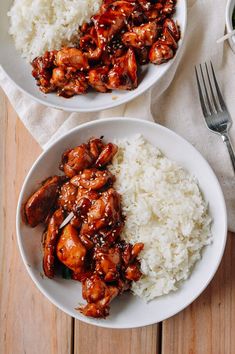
[
  {"x": 76, "y": 84},
  {"x": 108, "y": 23},
  {"x": 50, "y": 242},
  {"x": 70, "y": 250},
  {"x": 106, "y": 211},
  {"x": 68, "y": 196},
  {"x": 39, "y": 205},
  {"x": 42, "y": 67},
  {"x": 93, "y": 179},
  {"x": 106, "y": 155},
  {"x": 98, "y": 295},
  {"x": 71, "y": 57},
  {"x": 108, "y": 263},
  {"x": 160, "y": 53},
  {"x": 98, "y": 78},
  {"x": 133, "y": 272},
  {"x": 75, "y": 160},
  {"x": 123, "y": 75},
  {"x": 141, "y": 36}
]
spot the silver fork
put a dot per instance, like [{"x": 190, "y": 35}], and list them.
[{"x": 214, "y": 109}]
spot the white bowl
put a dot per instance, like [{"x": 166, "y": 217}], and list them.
[
  {"x": 229, "y": 26},
  {"x": 19, "y": 71},
  {"x": 127, "y": 311}
]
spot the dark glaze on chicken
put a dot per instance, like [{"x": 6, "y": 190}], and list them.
[
  {"x": 90, "y": 244},
  {"x": 121, "y": 36}
]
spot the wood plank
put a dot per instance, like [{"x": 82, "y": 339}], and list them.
[
  {"x": 208, "y": 325},
  {"x": 89, "y": 339},
  {"x": 29, "y": 323}
]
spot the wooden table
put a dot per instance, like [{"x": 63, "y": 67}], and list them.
[{"x": 31, "y": 324}]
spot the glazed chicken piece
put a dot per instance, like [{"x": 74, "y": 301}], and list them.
[
  {"x": 98, "y": 295},
  {"x": 57, "y": 71},
  {"x": 164, "y": 48},
  {"x": 160, "y": 53},
  {"x": 75, "y": 160},
  {"x": 68, "y": 82},
  {"x": 98, "y": 78},
  {"x": 168, "y": 39},
  {"x": 142, "y": 55},
  {"x": 92, "y": 195},
  {"x": 42, "y": 67},
  {"x": 141, "y": 36},
  {"x": 68, "y": 196},
  {"x": 133, "y": 272},
  {"x": 84, "y": 199},
  {"x": 95, "y": 146},
  {"x": 71, "y": 57},
  {"x": 70, "y": 250},
  {"x": 169, "y": 7},
  {"x": 93, "y": 179},
  {"x": 106, "y": 211},
  {"x": 112, "y": 20},
  {"x": 145, "y": 4},
  {"x": 173, "y": 28},
  {"x": 106, "y": 155},
  {"x": 123, "y": 75},
  {"x": 50, "y": 242},
  {"x": 108, "y": 263},
  {"x": 107, "y": 237},
  {"x": 154, "y": 13},
  {"x": 84, "y": 156},
  {"x": 39, "y": 205},
  {"x": 113, "y": 50},
  {"x": 89, "y": 43}
]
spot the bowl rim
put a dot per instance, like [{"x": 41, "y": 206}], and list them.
[
  {"x": 114, "y": 103},
  {"x": 230, "y": 6},
  {"x": 19, "y": 210}
]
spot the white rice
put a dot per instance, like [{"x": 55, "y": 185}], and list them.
[
  {"x": 40, "y": 25},
  {"x": 165, "y": 210}
]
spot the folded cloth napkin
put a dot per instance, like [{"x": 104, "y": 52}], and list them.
[{"x": 173, "y": 102}]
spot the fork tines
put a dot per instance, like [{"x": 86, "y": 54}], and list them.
[{"x": 209, "y": 92}]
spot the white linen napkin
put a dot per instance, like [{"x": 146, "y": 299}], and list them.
[{"x": 173, "y": 102}]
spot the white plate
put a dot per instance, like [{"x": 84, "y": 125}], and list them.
[
  {"x": 19, "y": 71},
  {"x": 127, "y": 311}
]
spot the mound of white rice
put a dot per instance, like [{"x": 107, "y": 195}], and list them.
[
  {"x": 40, "y": 25},
  {"x": 165, "y": 210}
]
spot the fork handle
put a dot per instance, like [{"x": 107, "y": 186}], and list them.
[{"x": 227, "y": 141}]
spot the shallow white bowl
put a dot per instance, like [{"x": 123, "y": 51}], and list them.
[
  {"x": 229, "y": 25},
  {"x": 127, "y": 311},
  {"x": 19, "y": 71}
]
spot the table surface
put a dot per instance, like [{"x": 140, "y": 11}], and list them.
[{"x": 30, "y": 324}]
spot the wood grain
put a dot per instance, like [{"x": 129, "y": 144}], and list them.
[
  {"x": 208, "y": 325},
  {"x": 29, "y": 323},
  {"x": 95, "y": 340}
]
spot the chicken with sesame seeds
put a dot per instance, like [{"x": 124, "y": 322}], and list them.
[
  {"x": 141, "y": 36},
  {"x": 120, "y": 37},
  {"x": 84, "y": 231},
  {"x": 75, "y": 160},
  {"x": 67, "y": 197},
  {"x": 98, "y": 296},
  {"x": 93, "y": 179},
  {"x": 165, "y": 47},
  {"x": 123, "y": 75}
]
